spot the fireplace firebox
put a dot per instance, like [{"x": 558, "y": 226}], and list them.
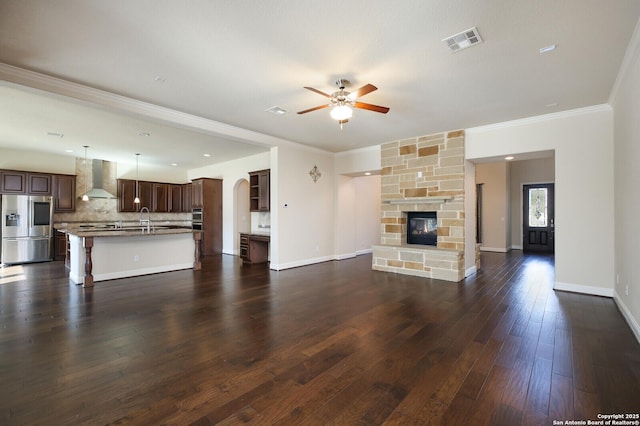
[{"x": 422, "y": 228}]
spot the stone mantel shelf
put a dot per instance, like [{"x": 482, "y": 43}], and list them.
[{"x": 419, "y": 200}]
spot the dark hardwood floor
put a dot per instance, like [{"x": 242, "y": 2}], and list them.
[{"x": 332, "y": 343}]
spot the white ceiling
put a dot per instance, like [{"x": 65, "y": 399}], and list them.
[{"x": 226, "y": 62}]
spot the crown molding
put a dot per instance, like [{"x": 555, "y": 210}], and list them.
[{"x": 540, "y": 118}]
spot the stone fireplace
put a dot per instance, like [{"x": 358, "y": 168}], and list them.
[{"x": 425, "y": 175}]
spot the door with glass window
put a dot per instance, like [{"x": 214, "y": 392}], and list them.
[{"x": 538, "y": 220}]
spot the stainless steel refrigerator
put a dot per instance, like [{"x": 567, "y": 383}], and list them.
[{"x": 27, "y": 229}]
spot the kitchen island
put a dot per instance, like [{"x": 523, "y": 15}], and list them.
[{"x": 100, "y": 254}]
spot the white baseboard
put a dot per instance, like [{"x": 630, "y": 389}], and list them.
[
  {"x": 298, "y": 263},
  {"x": 516, "y": 247},
  {"x": 312, "y": 261},
  {"x": 470, "y": 271},
  {"x": 626, "y": 313},
  {"x": 494, "y": 249},
  {"x": 585, "y": 289},
  {"x": 344, "y": 256}
]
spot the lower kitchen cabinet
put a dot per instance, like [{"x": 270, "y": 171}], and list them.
[{"x": 254, "y": 248}]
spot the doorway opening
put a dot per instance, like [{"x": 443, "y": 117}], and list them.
[{"x": 538, "y": 218}]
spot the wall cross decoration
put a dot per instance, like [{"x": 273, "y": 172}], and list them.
[{"x": 315, "y": 174}]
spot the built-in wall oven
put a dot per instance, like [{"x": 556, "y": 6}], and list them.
[{"x": 196, "y": 219}]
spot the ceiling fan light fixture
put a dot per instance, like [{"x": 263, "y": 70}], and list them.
[{"x": 341, "y": 112}]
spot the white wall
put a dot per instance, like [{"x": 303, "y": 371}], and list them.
[
  {"x": 37, "y": 162},
  {"x": 583, "y": 144},
  {"x": 541, "y": 170},
  {"x": 367, "y": 212},
  {"x": 305, "y": 226},
  {"x": 626, "y": 103},
  {"x": 494, "y": 178},
  {"x": 470, "y": 200}
]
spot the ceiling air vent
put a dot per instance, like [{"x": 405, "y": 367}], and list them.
[{"x": 463, "y": 40}]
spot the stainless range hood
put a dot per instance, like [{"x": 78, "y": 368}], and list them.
[{"x": 98, "y": 191}]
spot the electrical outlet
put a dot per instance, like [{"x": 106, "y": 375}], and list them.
[
  {"x": 136, "y": 258},
  {"x": 626, "y": 289}
]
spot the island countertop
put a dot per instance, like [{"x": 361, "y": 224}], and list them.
[{"x": 127, "y": 231}]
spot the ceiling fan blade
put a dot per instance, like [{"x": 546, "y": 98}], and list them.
[
  {"x": 367, "y": 88},
  {"x": 313, "y": 109},
  {"x": 317, "y": 91},
  {"x": 371, "y": 107}
]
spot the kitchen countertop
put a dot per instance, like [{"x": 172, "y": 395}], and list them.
[{"x": 126, "y": 231}]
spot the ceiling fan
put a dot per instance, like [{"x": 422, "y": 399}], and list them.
[{"x": 343, "y": 101}]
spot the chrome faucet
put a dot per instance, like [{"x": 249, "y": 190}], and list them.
[{"x": 146, "y": 221}]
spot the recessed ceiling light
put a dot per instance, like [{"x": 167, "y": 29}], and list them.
[
  {"x": 551, "y": 105},
  {"x": 55, "y": 135},
  {"x": 509, "y": 158},
  {"x": 276, "y": 110},
  {"x": 207, "y": 155},
  {"x": 68, "y": 150},
  {"x": 144, "y": 134},
  {"x": 174, "y": 164},
  {"x": 367, "y": 173},
  {"x": 549, "y": 48},
  {"x": 160, "y": 79}
]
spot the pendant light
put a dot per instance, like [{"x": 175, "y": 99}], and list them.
[
  {"x": 137, "y": 199},
  {"x": 85, "y": 197}
]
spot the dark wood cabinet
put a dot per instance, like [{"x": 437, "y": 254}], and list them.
[
  {"x": 13, "y": 182},
  {"x": 126, "y": 195},
  {"x": 260, "y": 191},
  {"x": 160, "y": 198},
  {"x": 197, "y": 199},
  {"x": 254, "y": 248},
  {"x": 145, "y": 193},
  {"x": 208, "y": 194},
  {"x": 60, "y": 246},
  {"x": 186, "y": 198},
  {"x": 39, "y": 184},
  {"x": 175, "y": 198},
  {"x": 157, "y": 196},
  {"x": 64, "y": 193}
]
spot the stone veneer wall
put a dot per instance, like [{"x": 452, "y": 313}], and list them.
[{"x": 423, "y": 174}]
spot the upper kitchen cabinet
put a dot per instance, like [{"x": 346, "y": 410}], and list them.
[
  {"x": 39, "y": 184},
  {"x": 13, "y": 182},
  {"x": 160, "y": 198},
  {"x": 259, "y": 190},
  {"x": 186, "y": 197},
  {"x": 64, "y": 193},
  {"x": 157, "y": 196},
  {"x": 197, "y": 194},
  {"x": 175, "y": 198},
  {"x": 126, "y": 195}
]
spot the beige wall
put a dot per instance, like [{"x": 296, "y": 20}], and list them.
[
  {"x": 626, "y": 103},
  {"x": 494, "y": 178},
  {"x": 583, "y": 144}
]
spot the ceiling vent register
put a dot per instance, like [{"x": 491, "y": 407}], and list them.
[{"x": 463, "y": 40}]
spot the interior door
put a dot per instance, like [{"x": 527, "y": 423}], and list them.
[{"x": 538, "y": 218}]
